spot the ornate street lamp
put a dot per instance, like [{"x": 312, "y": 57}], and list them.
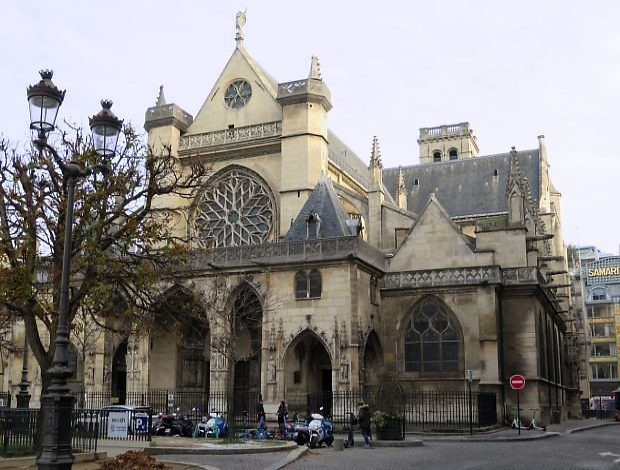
[
  {"x": 56, "y": 403},
  {"x": 23, "y": 397}
]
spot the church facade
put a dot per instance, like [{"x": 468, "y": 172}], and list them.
[{"x": 342, "y": 272}]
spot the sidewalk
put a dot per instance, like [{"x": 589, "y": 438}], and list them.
[{"x": 508, "y": 434}]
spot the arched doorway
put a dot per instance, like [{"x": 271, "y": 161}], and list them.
[
  {"x": 180, "y": 347},
  {"x": 119, "y": 373},
  {"x": 373, "y": 363},
  {"x": 247, "y": 312},
  {"x": 308, "y": 374}
]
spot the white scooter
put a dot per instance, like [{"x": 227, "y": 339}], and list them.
[{"x": 320, "y": 430}]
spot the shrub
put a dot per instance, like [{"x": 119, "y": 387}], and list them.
[{"x": 132, "y": 460}]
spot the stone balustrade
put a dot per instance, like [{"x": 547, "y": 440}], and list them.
[{"x": 231, "y": 136}]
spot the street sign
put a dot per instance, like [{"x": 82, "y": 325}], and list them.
[
  {"x": 517, "y": 382},
  {"x": 142, "y": 422},
  {"x": 117, "y": 424}
]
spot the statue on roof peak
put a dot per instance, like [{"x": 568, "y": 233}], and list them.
[{"x": 239, "y": 24}]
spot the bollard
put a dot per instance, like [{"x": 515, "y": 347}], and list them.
[{"x": 338, "y": 444}]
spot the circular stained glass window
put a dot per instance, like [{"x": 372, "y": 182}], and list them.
[
  {"x": 238, "y": 94},
  {"x": 236, "y": 209}
]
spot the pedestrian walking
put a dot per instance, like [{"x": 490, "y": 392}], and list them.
[
  {"x": 282, "y": 412},
  {"x": 363, "y": 418}
]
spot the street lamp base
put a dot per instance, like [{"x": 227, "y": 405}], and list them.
[{"x": 56, "y": 435}]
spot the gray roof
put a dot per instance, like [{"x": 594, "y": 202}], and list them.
[
  {"x": 335, "y": 221},
  {"x": 346, "y": 159},
  {"x": 465, "y": 187}
]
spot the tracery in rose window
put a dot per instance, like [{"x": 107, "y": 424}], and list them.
[{"x": 236, "y": 209}]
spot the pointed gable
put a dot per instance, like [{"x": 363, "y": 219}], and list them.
[
  {"x": 435, "y": 242},
  {"x": 261, "y": 107},
  {"x": 323, "y": 213}
]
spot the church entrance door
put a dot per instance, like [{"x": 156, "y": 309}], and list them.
[
  {"x": 308, "y": 374},
  {"x": 119, "y": 374}
]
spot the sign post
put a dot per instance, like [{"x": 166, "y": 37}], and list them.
[
  {"x": 517, "y": 382},
  {"x": 470, "y": 379}
]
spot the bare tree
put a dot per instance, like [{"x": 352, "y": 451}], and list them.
[{"x": 122, "y": 243}]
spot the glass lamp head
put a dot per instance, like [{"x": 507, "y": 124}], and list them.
[
  {"x": 44, "y": 99},
  {"x": 106, "y": 128}
]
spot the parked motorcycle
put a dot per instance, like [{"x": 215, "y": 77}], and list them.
[
  {"x": 320, "y": 429},
  {"x": 216, "y": 426},
  {"x": 173, "y": 425},
  {"x": 302, "y": 433}
]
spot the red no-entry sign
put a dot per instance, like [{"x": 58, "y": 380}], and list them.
[{"x": 517, "y": 382}]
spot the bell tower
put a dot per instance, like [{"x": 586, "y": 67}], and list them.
[{"x": 447, "y": 142}]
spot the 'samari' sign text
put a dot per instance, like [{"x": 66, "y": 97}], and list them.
[{"x": 608, "y": 271}]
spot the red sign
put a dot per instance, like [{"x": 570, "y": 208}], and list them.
[{"x": 517, "y": 382}]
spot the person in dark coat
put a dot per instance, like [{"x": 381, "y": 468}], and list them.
[
  {"x": 260, "y": 410},
  {"x": 363, "y": 418},
  {"x": 282, "y": 412}
]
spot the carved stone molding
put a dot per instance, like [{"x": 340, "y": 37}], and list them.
[{"x": 442, "y": 277}]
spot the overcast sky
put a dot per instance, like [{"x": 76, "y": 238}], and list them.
[{"x": 513, "y": 69}]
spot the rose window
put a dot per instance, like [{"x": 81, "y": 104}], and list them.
[{"x": 236, "y": 209}]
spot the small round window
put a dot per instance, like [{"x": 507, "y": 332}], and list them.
[{"x": 238, "y": 94}]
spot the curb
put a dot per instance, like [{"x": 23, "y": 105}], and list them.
[
  {"x": 291, "y": 457},
  {"x": 592, "y": 426},
  {"x": 218, "y": 451},
  {"x": 189, "y": 466},
  {"x": 20, "y": 462},
  {"x": 546, "y": 435}
]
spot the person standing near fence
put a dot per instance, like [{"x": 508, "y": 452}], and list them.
[
  {"x": 282, "y": 412},
  {"x": 260, "y": 409},
  {"x": 363, "y": 418}
]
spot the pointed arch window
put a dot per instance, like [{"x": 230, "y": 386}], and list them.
[
  {"x": 308, "y": 285},
  {"x": 432, "y": 341},
  {"x": 436, "y": 156}
]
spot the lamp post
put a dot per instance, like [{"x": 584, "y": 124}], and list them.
[
  {"x": 56, "y": 402},
  {"x": 23, "y": 397}
]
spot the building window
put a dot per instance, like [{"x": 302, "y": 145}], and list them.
[
  {"x": 308, "y": 285},
  {"x": 603, "y": 371},
  {"x": 454, "y": 154},
  {"x": 72, "y": 360},
  {"x": 432, "y": 341},
  {"x": 598, "y": 293},
  {"x": 602, "y": 329},
  {"x": 603, "y": 349},
  {"x": 436, "y": 156},
  {"x": 600, "y": 311}
]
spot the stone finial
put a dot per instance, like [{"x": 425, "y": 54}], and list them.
[
  {"x": 375, "y": 155},
  {"x": 401, "y": 193},
  {"x": 401, "y": 181},
  {"x": 239, "y": 24},
  {"x": 315, "y": 68},
  {"x": 161, "y": 99}
]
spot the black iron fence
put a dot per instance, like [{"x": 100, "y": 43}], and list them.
[
  {"x": 422, "y": 410},
  {"x": 19, "y": 432}
]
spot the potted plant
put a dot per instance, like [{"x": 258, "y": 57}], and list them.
[{"x": 387, "y": 426}]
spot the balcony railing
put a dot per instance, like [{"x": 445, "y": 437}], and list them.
[{"x": 231, "y": 136}]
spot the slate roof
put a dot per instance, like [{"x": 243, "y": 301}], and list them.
[
  {"x": 335, "y": 221},
  {"x": 346, "y": 159},
  {"x": 465, "y": 187}
]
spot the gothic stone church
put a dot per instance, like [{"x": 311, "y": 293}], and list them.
[{"x": 355, "y": 271}]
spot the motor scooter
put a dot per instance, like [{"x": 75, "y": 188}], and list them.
[
  {"x": 216, "y": 426},
  {"x": 320, "y": 429}
]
